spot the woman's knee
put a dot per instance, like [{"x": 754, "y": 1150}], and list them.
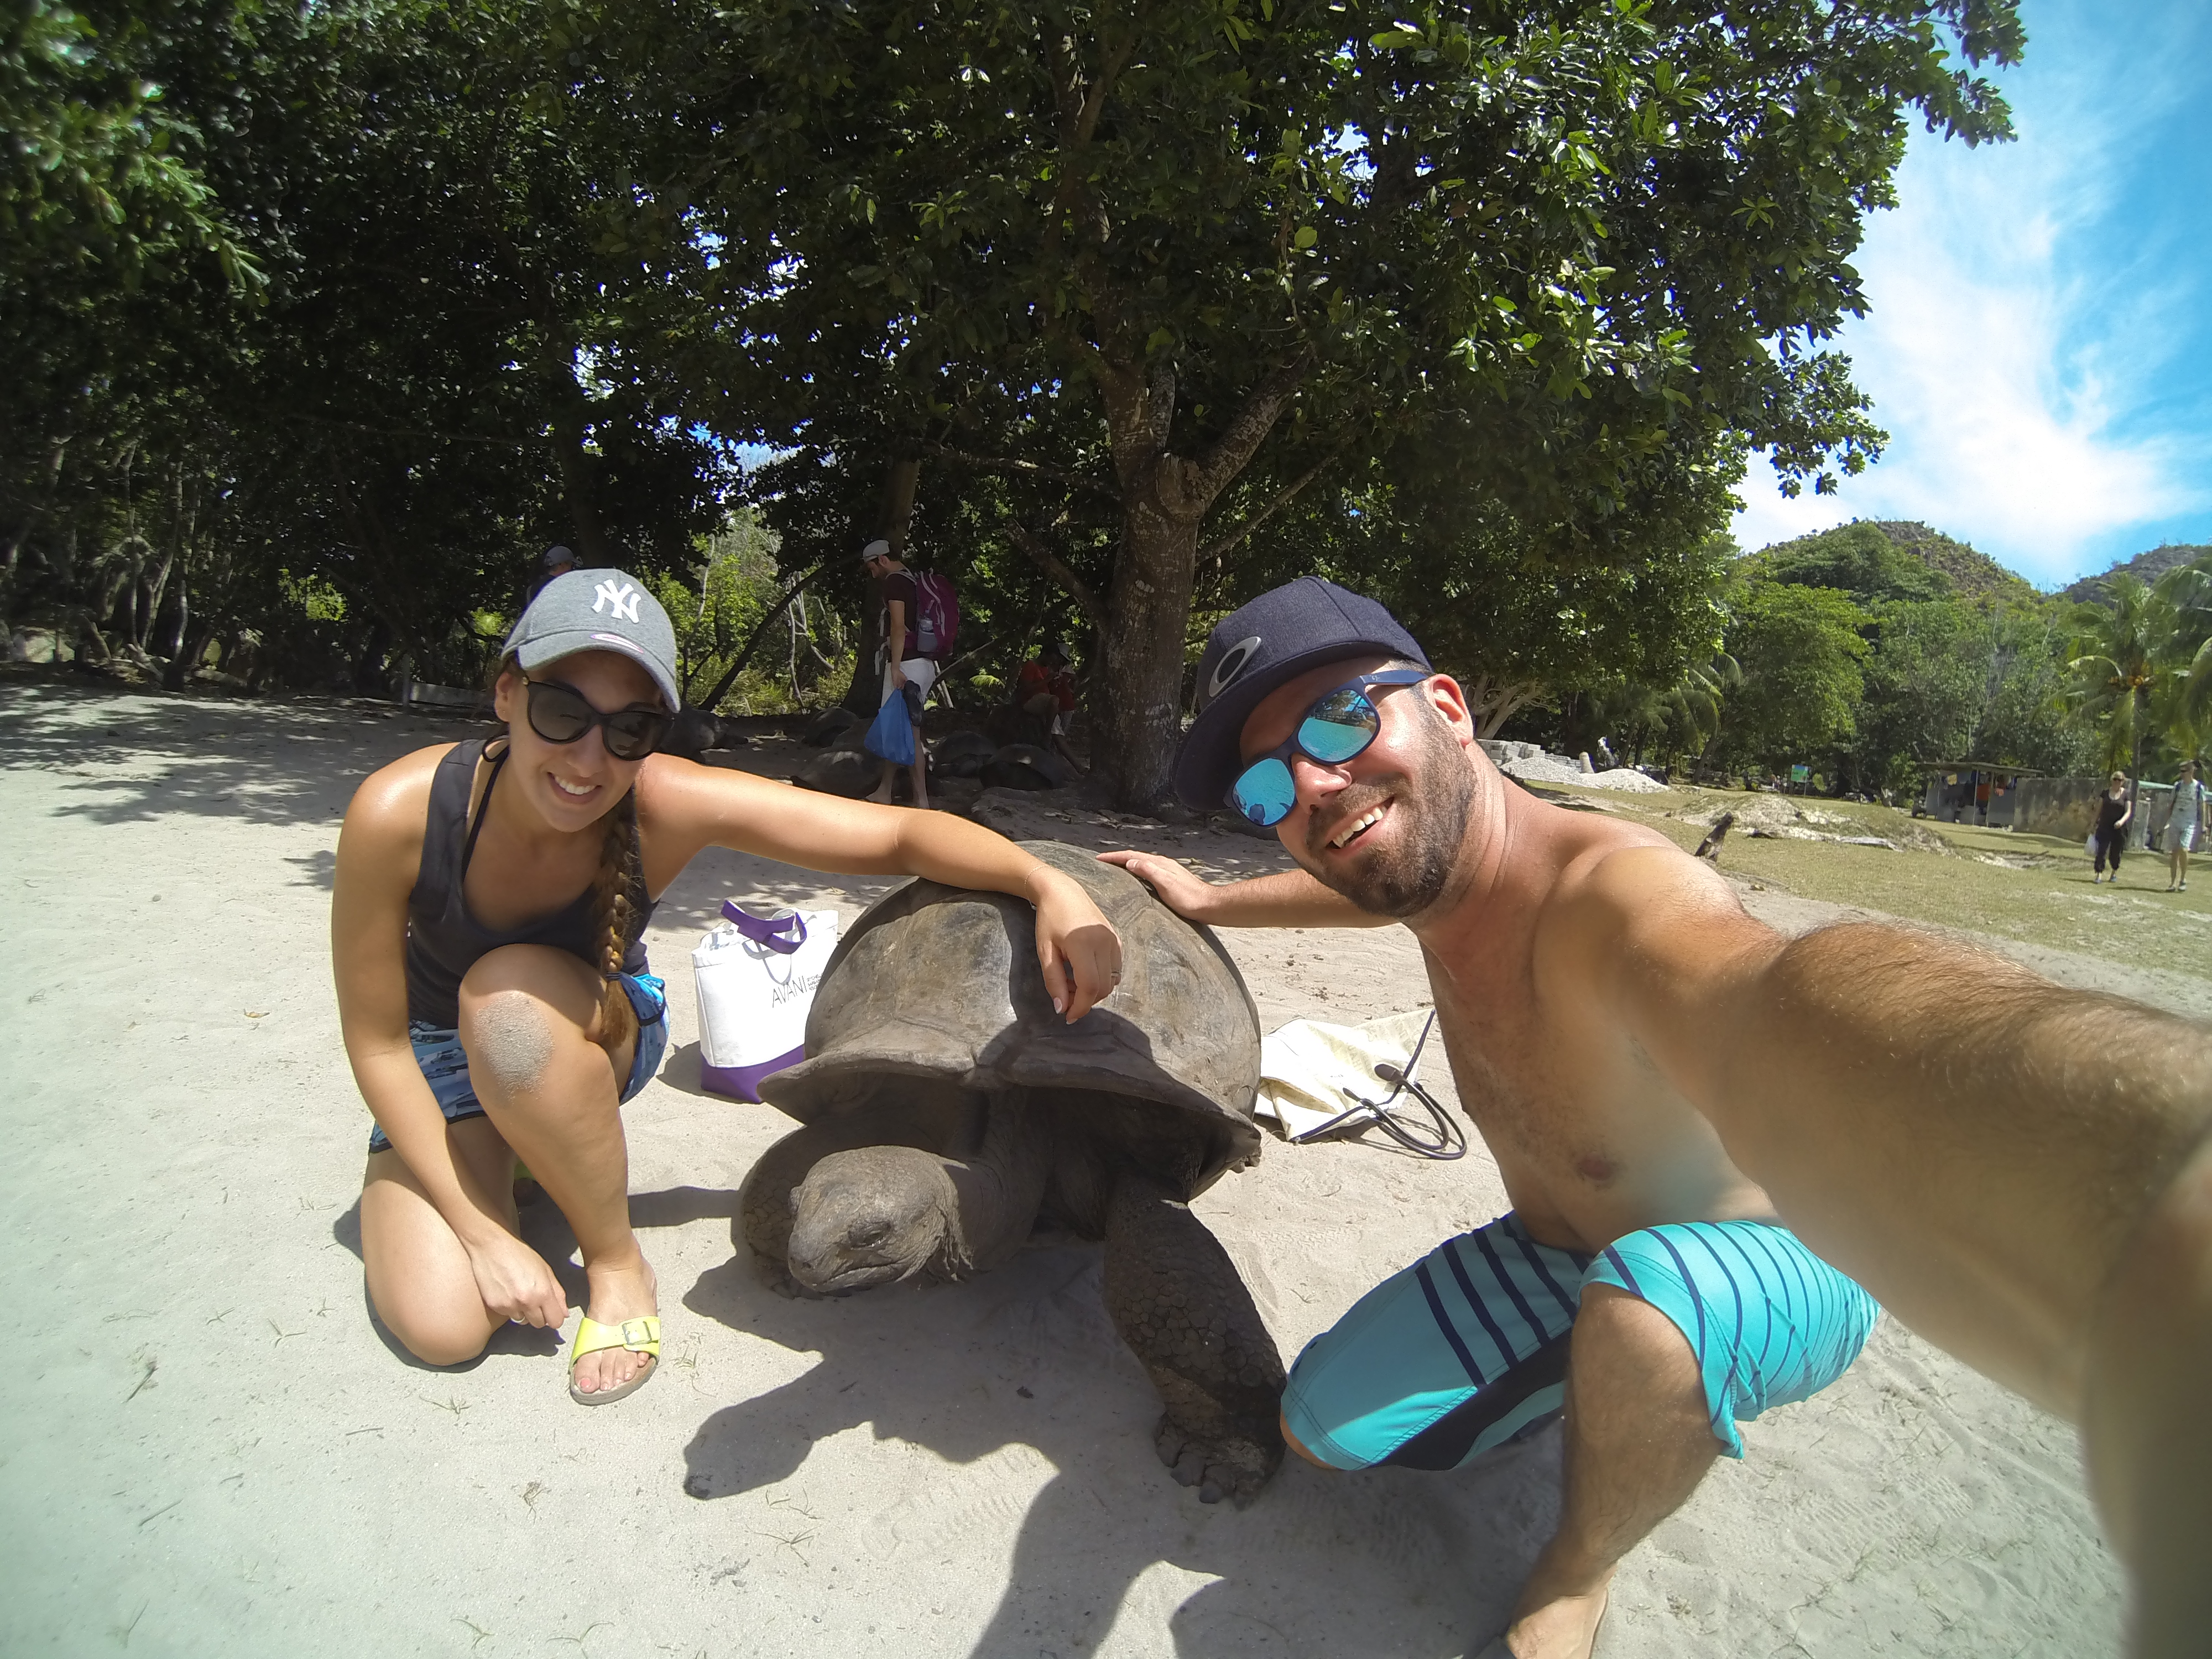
[
  {"x": 516, "y": 1013},
  {"x": 435, "y": 1336}
]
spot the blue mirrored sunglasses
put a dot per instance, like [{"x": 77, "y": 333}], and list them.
[{"x": 1340, "y": 724}]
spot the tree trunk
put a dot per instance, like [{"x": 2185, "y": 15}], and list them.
[
  {"x": 193, "y": 647},
  {"x": 577, "y": 487},
  {"x": 1138, "y": 704},
  {"x": 895, "y": 508}
]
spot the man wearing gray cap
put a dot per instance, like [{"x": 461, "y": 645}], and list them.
[{"x": 1674, "y": 1094}]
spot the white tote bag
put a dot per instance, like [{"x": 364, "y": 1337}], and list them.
[{"x": 755, "y": 978}]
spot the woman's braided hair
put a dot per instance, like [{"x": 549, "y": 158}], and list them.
[{"x": 613, "y": 911}]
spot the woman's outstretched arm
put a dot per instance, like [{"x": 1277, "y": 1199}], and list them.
[{"x": 683, "y": 808}]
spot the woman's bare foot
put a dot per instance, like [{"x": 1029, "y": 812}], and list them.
[{"x": 627, "y": 1291}]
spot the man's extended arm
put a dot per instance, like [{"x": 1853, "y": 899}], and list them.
[
  {"x": 1291, "y": 898},
  {"x": 1973, "y": 1142}
]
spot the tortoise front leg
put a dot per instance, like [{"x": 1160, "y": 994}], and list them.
[{"x": 1176, "y": 1297}]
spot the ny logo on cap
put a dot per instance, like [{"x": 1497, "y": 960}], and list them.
[{"x": 622, "y": 598}]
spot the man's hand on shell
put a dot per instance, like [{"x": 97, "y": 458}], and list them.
[{"x": 1185, "y": 894}]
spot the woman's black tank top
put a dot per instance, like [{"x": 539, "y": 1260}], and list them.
[{"x": 444, "y": 940}]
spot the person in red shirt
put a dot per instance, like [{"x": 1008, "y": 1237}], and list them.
[{"x": 1045, "y": 690}]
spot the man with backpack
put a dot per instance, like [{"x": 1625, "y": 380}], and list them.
[{"x": 921, "y": 618}]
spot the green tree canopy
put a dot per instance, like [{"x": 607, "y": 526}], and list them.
[
  {"x": 1126, "y": 261},
  {"x": 1801, "y": 653}
]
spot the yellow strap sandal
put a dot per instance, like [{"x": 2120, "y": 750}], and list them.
[{"x": 638, "y": 1335}]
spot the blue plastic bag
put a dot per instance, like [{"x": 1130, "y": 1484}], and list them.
[{"x": 891, "y": 737}]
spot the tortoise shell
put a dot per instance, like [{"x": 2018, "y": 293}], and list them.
[{"x": 936, "y": 995}]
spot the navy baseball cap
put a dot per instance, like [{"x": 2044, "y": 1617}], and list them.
[{"x": 1254, "y": 650}]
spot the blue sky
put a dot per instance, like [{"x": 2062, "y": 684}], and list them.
[{"x": 2039, "y": 334}]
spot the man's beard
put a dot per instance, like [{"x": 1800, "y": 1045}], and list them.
[{"x": 1436, "y": 798}]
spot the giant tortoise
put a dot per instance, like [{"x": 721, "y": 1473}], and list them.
[{"x": 949, "y": 1112}]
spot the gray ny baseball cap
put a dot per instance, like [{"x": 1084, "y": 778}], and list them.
[{"x": 599, "y": 610}]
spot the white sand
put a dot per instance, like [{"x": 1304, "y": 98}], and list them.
[{"x": 210, "y": 1448}]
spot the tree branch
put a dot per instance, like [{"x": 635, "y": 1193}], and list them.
[
  {"x": 1015, "y": 463},
  {"x": 730, "y": 674},
  {"x": 1215, "y": 549},
  {"x": 412, "y": 434},
  {"x": 1056, "y": 567},
  {"x": 1213, "y": 472}
]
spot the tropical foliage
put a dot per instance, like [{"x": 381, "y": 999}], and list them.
[{"x": 368, "y": 300}]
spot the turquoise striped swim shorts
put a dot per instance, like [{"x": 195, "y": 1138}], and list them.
[{"x": 1468, "y": 1347}]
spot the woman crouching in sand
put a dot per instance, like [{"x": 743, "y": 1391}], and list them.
[{"x": 491, "y": 897}]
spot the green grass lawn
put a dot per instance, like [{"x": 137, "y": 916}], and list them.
[{"x": 2034, "y": 888}]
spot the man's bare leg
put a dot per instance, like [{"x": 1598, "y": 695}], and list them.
[
  {"x": 882, "y": 794},
  {"x": 1639, "y": 1438},
  {"x": 920, "y": 773}
]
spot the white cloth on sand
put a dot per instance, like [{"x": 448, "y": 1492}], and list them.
[{"x": 1310, "y": 1071}]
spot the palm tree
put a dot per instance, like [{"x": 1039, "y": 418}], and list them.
[
  {"x": 2188, "y": 589},
  {"x": 2122, "y": 649},
  {"x": 1686, "y": 714}
]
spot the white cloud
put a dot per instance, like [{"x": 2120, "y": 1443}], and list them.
[{"x": 2021, "y": 326}]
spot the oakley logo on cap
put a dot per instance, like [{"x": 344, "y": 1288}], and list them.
[
  {"x": 1233, "y": 662},
  {"x": 622, "y": 598}
]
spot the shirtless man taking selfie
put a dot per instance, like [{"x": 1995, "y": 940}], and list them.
[{"x": 1685, "y": 1109}]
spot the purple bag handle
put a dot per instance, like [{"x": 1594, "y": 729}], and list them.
[{"x": 783, "y": 935}]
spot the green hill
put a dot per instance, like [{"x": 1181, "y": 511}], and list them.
[
  {"x": 1972, "y": 573},
  {"x": 1892, "y": 558},
  {"x": 2145, "y": 568}
]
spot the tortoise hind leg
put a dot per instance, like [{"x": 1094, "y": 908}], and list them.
[{"x": 1176, "y": 1298}]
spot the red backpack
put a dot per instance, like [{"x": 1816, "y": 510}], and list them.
[{"x": 937, "y": 616}]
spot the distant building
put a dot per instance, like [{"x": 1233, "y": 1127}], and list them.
[{"x": 1971, "y": 792}]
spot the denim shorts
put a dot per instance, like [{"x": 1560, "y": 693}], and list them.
[{"x": 446, "y": 1066}]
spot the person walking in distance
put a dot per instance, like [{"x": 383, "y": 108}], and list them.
[
  {"x": 2185, "y": 827},
  {"x": 913, "y": 653},
  {"x": 2114, "y": 809}
]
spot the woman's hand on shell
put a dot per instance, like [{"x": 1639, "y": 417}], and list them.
[
  {"x": 515, "y": 1283},
  {"x": 1077, "y": 947}
]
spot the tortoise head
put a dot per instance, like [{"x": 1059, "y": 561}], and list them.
[{"x": 870, "y": 1216}]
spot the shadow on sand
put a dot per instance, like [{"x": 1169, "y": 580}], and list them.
[
  {"x": 1381, "y": 1563},
  {"x": 135, "y": 754}
]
